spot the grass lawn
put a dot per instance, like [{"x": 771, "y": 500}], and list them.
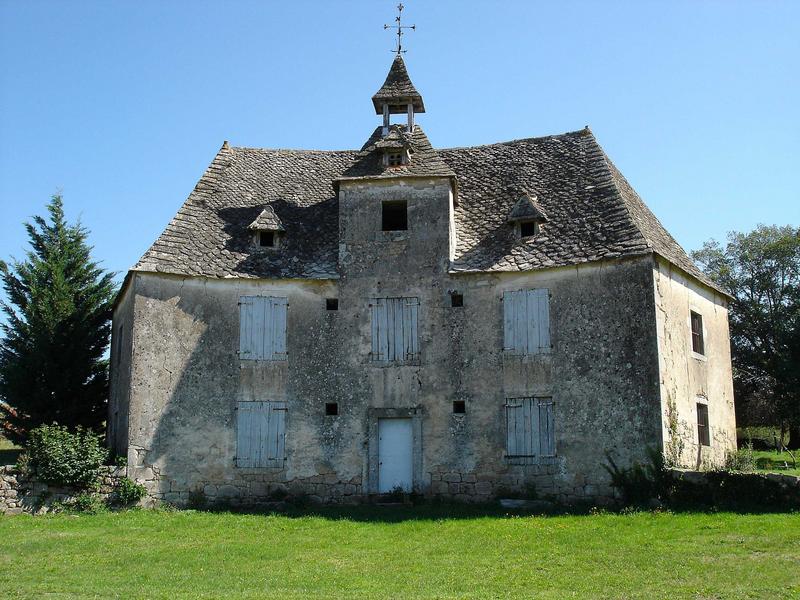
[
  {"x": 400, "y": 553},
  {"x": 8, "y": 452},
  {"x": 771, "y": 461}
]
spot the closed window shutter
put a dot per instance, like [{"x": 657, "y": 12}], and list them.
[
  {"x": 394, "y": 329},
  {"x": 526, "y": 321},
  {"x": 278, "y": 329},
  {"x": 262, "y": 328},
  {"x": 547, "y": 443},
  {"x": 529, "y": 430},
  {"x": 260, "y": 434}
]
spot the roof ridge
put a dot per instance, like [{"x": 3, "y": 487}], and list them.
[
  {"x": 202, "y": 191},
  {"x": 305, "y": 150},
  {"x": 515, "y": 141},
  {"x": 655, "y": 235},
  {"x": 608, "y": 179}
]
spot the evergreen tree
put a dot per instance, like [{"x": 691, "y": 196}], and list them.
[{"x": 58, "y": 309}]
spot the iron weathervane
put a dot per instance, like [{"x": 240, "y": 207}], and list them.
[{"x": 400, "y": 28}]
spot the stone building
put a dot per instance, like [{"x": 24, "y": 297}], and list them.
[{"x": 461, "y": 322}]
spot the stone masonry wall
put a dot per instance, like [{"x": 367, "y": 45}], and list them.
[{"x": 20, "y": 493}]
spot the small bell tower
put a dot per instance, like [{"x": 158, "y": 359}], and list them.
[{"x": 397, "y": 94}]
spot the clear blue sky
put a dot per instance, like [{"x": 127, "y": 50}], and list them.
[{"x": 121, "y": 105}]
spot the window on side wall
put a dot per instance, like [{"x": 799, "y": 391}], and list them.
[
  {"x": 703, "y": 433},
  {"x": 394, "y": 215},
  {"x": 530, "y": 430},
  {"x": 526, "y": 321},
  {"x": 260, "y": 434},
  {"x": 262, "y": 328},
  {"x": 698, "y": 344},
  {"x": 394, "y": 329}
]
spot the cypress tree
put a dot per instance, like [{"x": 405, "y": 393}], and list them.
[{"x": 53, "y": 365}]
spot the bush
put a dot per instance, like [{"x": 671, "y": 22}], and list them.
[
  {"x": 638, "y": 484},
  {"x": 87, "y": 503},
  {"x": 127, "y": 492},
  {"x": 742, "y": 460},
  {"x": 61, "y": 457}
]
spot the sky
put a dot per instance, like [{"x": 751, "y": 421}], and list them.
[{"x": 120, "y": 106}]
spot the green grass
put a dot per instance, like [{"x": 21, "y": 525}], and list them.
[
  {"x": 411, "y": 553},
  {"x": 8, "y": 452},
  {"x": 772, "y": 462}
]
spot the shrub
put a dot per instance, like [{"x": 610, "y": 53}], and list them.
[
  {"x": 86, "y": 503},
  {"x": 638, "y": 484},
  {"x": 741, "y": 460},
  {"x": 61, "y": 457},
  {"x": 127, "y": 492}
]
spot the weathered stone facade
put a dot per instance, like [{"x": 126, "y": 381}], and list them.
[{"x": 618, "y": 292}]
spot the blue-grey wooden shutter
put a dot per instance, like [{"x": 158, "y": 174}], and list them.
[
  {"x": 262, "y": 328},
  {"x": 526, "y": 321},
  {"x": 277, "y": 330},
  {"x": 260, "y": 434},
  {"x": 394, "y": 325},
  {"x": 529, "y": 430},
  {"x": 547, "y": 442}
]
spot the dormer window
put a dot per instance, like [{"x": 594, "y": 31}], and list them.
[
  {"x": 527, "y": 216},
  {"x": 394, "y": 159},
  {"x": 266, "y": 229},
  {"x": 528, "y": 229}
]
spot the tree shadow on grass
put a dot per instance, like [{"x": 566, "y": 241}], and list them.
[{"x": 433, "y": 511}]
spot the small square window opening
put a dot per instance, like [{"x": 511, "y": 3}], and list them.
[
  {"x": 395, "y": 159},
  {"x": 459, "y": 407},
  {"x": 394, "y": 216},
  {"x": 331, "y": 304},
  {"x": 331, "y": 409},
  {"x": 456, "y": 300},
  {"x": 528, "y": 229},
  {"x": 698, "y": 345},
  {"x": 703, "y": 435},
  {"x": 266, "y": 239}
]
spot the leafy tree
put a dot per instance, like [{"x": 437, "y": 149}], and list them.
[
  {"x": 52, "y": 353},
  {"x": 761, "y": 269}
]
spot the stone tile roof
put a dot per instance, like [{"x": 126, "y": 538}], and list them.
[
  {"x": 397, "y": 91},
  {"x": 592, "y": 211},
  {"x": 209, "y": 235},
  {"x": 424, "y": 162}
]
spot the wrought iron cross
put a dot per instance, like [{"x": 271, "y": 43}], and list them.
[{"x": 400, "y": 28}]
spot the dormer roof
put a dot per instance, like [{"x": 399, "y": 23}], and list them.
[
  {"x": 267, "y": 220},
  {"x": 424, "y": 162},
  {"x": 527, "y": 208},
  {"x": 397, "y": 139},
  {"x": 398, "y": 91}
]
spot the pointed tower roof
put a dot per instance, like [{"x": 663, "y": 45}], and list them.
[{"x": 398, "y": 91}]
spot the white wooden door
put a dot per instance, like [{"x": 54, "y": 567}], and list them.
[{"x": 395, "y": 460}]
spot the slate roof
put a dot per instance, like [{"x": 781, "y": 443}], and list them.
[
  {"x": 593, "y": 213},
  {"x": 398, "y": 90}
]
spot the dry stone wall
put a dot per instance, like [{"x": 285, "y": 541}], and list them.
[{"x": 20, "y": 493}]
